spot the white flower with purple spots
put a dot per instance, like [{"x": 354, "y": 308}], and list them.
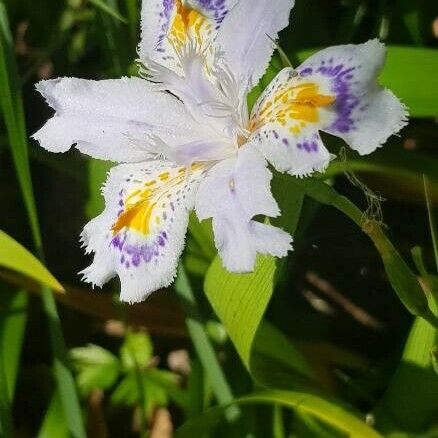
[{"x": 186, "y": 140}]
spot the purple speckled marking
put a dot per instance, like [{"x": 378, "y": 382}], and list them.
[
  {"x": 217, "y": 8},
  {"x": 285, "y": 141},
  {"x": 135, "y": 255},
  {"x": 306, "y": 71},
  {"x": 309, "y": 145},
  {"x": 165, "y": 14},
  {"x": 346, "y": 102}
]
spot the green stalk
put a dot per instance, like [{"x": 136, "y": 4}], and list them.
[
  {"x": 12, "y": 106},
  {"x": 402, "y": 279},
  {"x": 203, "y": 346},
  {"x": 432, "y": 224}
]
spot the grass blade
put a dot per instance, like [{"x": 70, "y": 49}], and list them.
[
  {"x": 13, "y": 317},
  {"x": 54, "y": 424},
  {"x": 101, "y": 4},
  {"x": 202, "y": 344},
  {"x": 12, "y": 107}
]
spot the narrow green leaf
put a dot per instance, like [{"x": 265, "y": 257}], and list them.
[
  {"x": 133, "y": 19},
  {"x": 13, "y": 317},
  {"x": 202, "y": 344},
  {"x": 16, "y": 257},
  {"x": 5, "y": 404},
  {"x": 101, "y": 4},
  {"x": 12, "y": 108},
  {"x": 417, "y": 87},
  {"x": 54, "y": 424},
  {"x": 310, "y": 404}
]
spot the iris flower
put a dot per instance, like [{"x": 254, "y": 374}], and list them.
[{"x": 184, "y": 138}]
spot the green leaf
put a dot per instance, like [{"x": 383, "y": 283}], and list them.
[
  {"x": 12, "y": 108},
  {"x": 101, "y": 4},
  {"x": 5, "y": 403},
  {"x": 202, "y": 343},
  {"x": 410, "y": 73},
  {"x": 310, "y": 404},
  {"x": 169, "y": 383},
  {"x": 97, "y": 368},
  {"x": 16, "y": 257},
  {"x": 13, "y": 317},
  {"x": 126, "y": 392},
  {"x": 54, "y": 424},
  {"x": 154, "y": 391},
  {"x": 410, "y": 402},
  {"x": 240, "y": 301},
  {"x": 136, "y": 351}
]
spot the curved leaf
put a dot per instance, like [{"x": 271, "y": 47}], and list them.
[
  {"x": 310, "y": 404},
  {"x": 14, "y": 256}
]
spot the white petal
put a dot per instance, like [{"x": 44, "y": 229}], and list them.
[
  {"x": 271, "y": 240},
  {"x": 365, "y": 114},
  {"x": 140, "y": 235},
  {"x": 300, "y": 155},
  {"x": 246, "y": 32},
  {"x": 233, "y": 192},
  {"x": 113, "y": 119},
  {"x": 237, "y": 185},
  {"x": 168, "y": 24},
  {"x": 285, "y": 122}
]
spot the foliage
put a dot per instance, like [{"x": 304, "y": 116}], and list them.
[{"x": 279, "y": 352}]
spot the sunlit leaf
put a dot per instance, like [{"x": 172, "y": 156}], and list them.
[
  {"x": 310, "y": 404},
  {"x": 14, "y": 256}
]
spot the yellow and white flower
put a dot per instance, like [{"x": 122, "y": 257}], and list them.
[{"x": 186, "y": 140}]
